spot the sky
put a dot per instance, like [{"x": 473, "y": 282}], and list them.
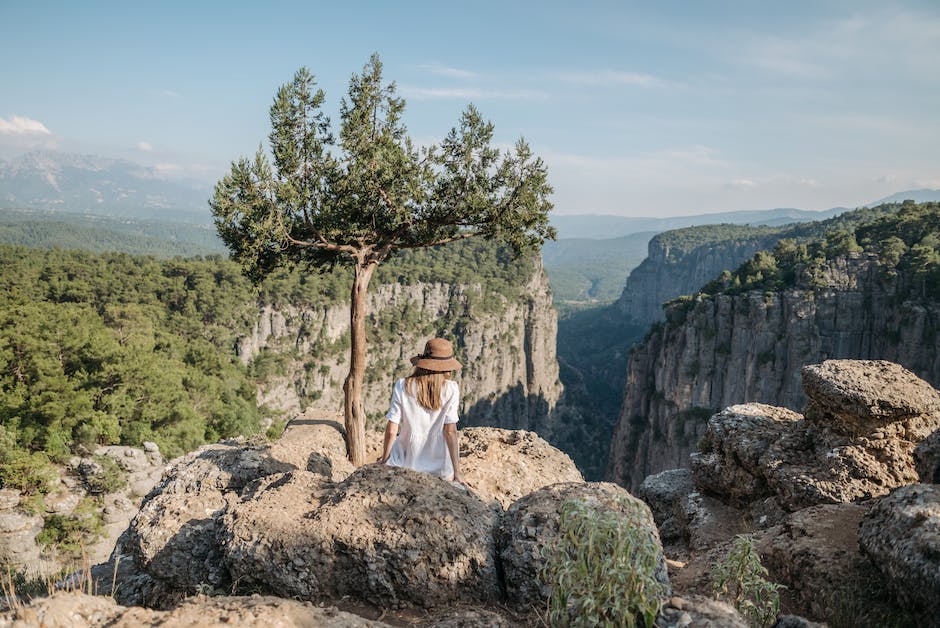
[{"x": 638, "y": 109}]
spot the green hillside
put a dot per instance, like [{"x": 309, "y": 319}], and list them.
[{"x": 116, "y": 348}]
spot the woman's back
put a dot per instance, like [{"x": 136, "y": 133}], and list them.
[{"x": 420, "y": 444}]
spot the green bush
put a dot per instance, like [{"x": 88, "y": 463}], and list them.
[
  {"x": 110, "y": 479},
  {"x": 602, "y": 573},
  {"x": 71, "y": 533},
  {"x": 740, "y": 578}
]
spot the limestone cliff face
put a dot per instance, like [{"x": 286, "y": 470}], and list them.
[
  {"x": 726, "y": 350},
  {"x": 670, "y": 271},
  {"x": 505, "y": 341}
]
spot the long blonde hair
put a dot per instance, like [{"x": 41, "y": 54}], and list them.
[{"x": 426, "y": 386}]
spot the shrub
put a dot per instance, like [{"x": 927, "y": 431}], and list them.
[
  {"x": 71, "y": 533},
  {"x": 741, "y": 579},
  {"x": 603, "y": 572},
  {"x": 110, "y": 479}
]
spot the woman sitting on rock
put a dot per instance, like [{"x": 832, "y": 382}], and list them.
[{"x": 424, "y": 405}]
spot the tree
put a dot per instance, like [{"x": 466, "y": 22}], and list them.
[{"x": 357, "y": 199}]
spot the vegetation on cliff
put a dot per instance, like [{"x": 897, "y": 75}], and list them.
[
  {"x": 905, "y": 237},
  {"x": 113, "y": 348}
]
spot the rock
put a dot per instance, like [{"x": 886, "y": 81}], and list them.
[
  {"x": 503, "y": 465},
  {"x": 901, "y": 535},
  {"x": 79, "y": 610},
  {"x": 18, "y": 531},
  {"x": 927, "y": 459},
  {"x": 9, "y": 498},
  {"x": 698, "y": 611},
  {"x": 471, "y": 618},
  {"x": 814, "y": 552},
  {"x": 315, "y": 444},
  {"x": 665, "y": 494},
  {"x": 62, "y": 501},
  {"x": 173, "y": 537},
  {"x": 708, "y": 521},
  {"x": 385, "y": 535},
  {"x": 729, "y": 462},
  {"x": 754, "y": 452},
  {"x": 858, "y": 397},
  {"x": 131, "y": 459},
  {"x": 533, "y": 524}
]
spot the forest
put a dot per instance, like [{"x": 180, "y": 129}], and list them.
[{"x": 113, "y": 348}]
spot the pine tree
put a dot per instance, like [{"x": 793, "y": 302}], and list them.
[{"x": 355, "y": 199}]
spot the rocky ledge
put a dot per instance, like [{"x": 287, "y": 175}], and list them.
[{"x": 832, "y": 495}]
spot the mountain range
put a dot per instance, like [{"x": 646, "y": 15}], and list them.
[{"x": 72, "y": 183}]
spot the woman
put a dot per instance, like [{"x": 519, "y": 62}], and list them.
[{"x": 424, "y": 405}]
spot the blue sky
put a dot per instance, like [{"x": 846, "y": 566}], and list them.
[{"x": 642, "y": 109}]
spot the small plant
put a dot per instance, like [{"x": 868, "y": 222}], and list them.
[
  {"x": 603, "y": 572},
  {"x": 741, "y": 579},
  {"x": 108, "y": 478}
]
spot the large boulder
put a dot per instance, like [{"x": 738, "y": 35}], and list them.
[
  {"x": 856, "y": 442},
  {"x": 665, "y": 493},
  {"x": 79, "y": 610},
  {"x": 859, "y": 397},
  {"x": 173, "y": 537},
  {"x": 814, "y": 552},
  {"x": 901, "y": 535},
  {"x": 533, "y": 524},
  {"x": 386, "y": 536},
  {"x": 731, "y": 457},
  {"x": 503, "y": 465}
]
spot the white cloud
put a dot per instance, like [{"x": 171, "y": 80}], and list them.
[
  {"x": 165, "y": 169},
  {"x": 169, "y": 93},
  {"x": 742, "y": 184},
  {"x": 144, "y": 146},
  {"x": 443, "y": 70},
  {"x": 470, "y": 93},
  {"x": 18, "y": 125},
  {"x": 611, "y": 78}
]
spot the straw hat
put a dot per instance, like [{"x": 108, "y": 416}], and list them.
[{"x": 438, "y": 356}]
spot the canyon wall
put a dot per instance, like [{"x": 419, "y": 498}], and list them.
[
  {"x": 505, "y": 339},
  {"x": 672, "y": 269},
  {"x": 717, "y": 351}
]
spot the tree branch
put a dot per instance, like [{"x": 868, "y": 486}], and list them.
[{"x": 459, "y": 236}]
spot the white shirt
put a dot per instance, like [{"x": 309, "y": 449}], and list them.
[{"x": 420, "y": 444}]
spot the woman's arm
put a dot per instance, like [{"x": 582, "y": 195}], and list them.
[
  {"x": 391, "y": 431},
  {"x": 453, "y": 448}
]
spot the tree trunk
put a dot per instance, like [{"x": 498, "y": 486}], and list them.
[{"x": 354, "y": 411}]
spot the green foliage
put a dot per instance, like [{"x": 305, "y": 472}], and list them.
[
  {"x": 741, "y": 579},
  {"x": 905, "y": 237},
  {"x": 355, "y": 196},
  {"x": 602, "y": 572},
  {"x": 71, "y": 533},
  {"x": 110, "y": 479}
]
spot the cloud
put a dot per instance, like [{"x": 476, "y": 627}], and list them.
[
  {"x": 144, "y": 146},
  {"x": 611, "y": 78},
  {"x": 443, "y": 70},
  {"x": 169, "y": 93},
  {"x": 470, "y": 93},
  {"x": 18, "y": 125},
  {"x": 742, "y": 184}
]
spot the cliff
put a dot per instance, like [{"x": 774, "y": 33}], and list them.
[
  {"x": 726, "y": 349},
  {"x": 505, "y": 339},
  {"x": 681, "y": 261}
]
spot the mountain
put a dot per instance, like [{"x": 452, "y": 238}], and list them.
[
  {"x": 587, "y": 270},
  {"x": 601, "y": 226},
  {"x": 744, "y": 337},
  {"x": 918, "y": 196},
  {"x": 46, "y": 229},
  {"x": 74, "y": 183}
]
